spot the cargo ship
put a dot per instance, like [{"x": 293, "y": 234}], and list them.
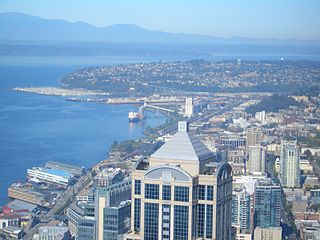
[{"x": 134, "y": 116}]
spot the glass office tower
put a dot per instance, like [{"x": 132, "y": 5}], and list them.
[{"x": 182, "y": 193}]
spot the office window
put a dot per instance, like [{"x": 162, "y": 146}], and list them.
[
  {"x": 137, "y": 186},
  {"x": 202, "y": 192},
  {"x": 209, "y": 192},
  {"x": 195, "y": 192},
  {"x": 181, "y": 215},
  {"x": 201, "y": 218},
  {"x": 152, "y": 191},
  {"x": 166, "y": 192},
  {"x": 181, "y": 194},
  {"x": 209, "y": 221},
  {"x": 137, "y": 214},
  {"x": 151, "y": 221}
]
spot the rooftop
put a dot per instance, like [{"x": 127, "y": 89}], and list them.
[
  {"x": 183, "y": 146},
  {"x": 18, "y": 205},
  {"x": 60, "y": 173},
  {"x": 58, "y": 165}
]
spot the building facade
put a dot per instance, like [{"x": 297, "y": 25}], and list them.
[
  {"x": 52, "y": 176},
  {"x": 52, "y": 232},
  {"x": 183, "y": 194},
  {"x": 112, "y": 210},
  {"x": 241, "y": 209},
  {"x": 257, "y": 159},
  {"x": 267, "y": 204},
  {"x": 189, "y": 107},
  {"x": 254, "y": 137},
  {"x": 81, "y": 221},
  {"x": 271, "y": 233},
  {"x": 289, "y": 165},
  {"x": 27, "y": 195}
]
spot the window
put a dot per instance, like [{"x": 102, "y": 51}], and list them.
[
  {"x": 181, "y": 194},
  {"x": 201, "y": 218},
  {"x": 209, "y": 221},
  {"x": 181, "y": 215},
  {"x": 151, "y": 221},
  {"x": 137, "y": 213},
  {"x": 137, "y": 186},
  {"x": 209, "y": 192},
  {"x": 166, "y": 192},
  {"x": 202, "y": 192},
  {"x": 195, "y": 192},
  {"x": 152, "y": 191}
]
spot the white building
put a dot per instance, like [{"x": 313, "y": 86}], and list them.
[
  {"x": 59, "y": 177},
  {"x": 260, "y": 116},
  {"x": 52, "y": 232},
  {"x": 254, "y": 137},
  {"x": 273, "y": 233},
  {"x": 189, "y": 107},
  {"x": 289, "y": 164},
  {"x": 257, "y": 159}
]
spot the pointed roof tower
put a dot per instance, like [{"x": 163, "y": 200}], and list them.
[{"x": 183, "y": 146}]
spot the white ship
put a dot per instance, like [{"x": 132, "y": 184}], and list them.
[{"x": 134, "y": 116}]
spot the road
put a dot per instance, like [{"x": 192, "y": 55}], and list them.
[
  {"x": 67, "y": 195},
  {"x": 204, "y": 118}
]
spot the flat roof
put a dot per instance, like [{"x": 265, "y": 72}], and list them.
[
  {"x": 60, "y": 173},
  {"x": 21, "y": 205},
  {"x": 52, "y": 164}
]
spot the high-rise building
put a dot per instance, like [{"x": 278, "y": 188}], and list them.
[
  {"x": 189, "y": 107},
  {"x": 257, "y": 159},
  {"x": 254, "y": 137},
  {"x": 81, "y": 221},
  {"x": 261, "y": 116},
  {"x": 112, "y": 210},
  {"x": 289, "y": 165},
  {"x": 182, "y": 194},
  {"x": 241, "y": 210},
  {"x": 267, "y": 204}
]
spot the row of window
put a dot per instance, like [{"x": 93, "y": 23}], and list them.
[
  {"x": 202, "y": 220},
  {"x": 203, "y": 192},
  {"x": 181, "y": 193}
]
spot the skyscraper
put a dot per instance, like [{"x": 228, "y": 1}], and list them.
[
  {"x": 189, "y": 107},
  {"x": 289, "y": 164},
  {"x": 182, "y": 194},
  {"x": 112, "y": 210},
  {"x": 267, "y": 204},
  {"x": 257, "y": 159},
  {"x": 81, "y": 221},
  {"x": 241, "y": 210},
  {"x": 254, "y": 137}
]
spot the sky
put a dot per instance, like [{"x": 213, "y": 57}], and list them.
[{"x": 280, "y": 19}]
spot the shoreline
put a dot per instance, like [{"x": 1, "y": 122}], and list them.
[
  {"x": 91, "y": 165},
  {"x": 59, "y": 91}
]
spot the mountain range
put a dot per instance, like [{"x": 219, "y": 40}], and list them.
[{"x": 21, "y": 27}]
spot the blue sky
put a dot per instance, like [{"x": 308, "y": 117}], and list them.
[{"x": 222, "y": 18}]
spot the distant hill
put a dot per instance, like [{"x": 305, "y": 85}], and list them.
[{"x": 25, "y": 28}]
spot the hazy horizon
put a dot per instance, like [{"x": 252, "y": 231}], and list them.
[{"x": 273, "y": 19}]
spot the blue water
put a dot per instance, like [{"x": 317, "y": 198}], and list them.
[{"x": 36, "y": 128}]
